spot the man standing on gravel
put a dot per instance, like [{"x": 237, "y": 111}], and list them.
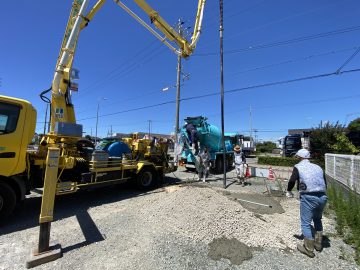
[
  {"x": 240, "y": 164},
  {"x": 312, "y": 189}
]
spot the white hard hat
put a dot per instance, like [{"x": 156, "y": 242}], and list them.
[{"x": 303, "y": 153}]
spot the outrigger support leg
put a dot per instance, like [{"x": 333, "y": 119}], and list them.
[{"x": 46, "y": 253}]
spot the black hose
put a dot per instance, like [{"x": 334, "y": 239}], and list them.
[{"x": 45, "y": 98}]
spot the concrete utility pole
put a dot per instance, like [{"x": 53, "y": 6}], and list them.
[
  {"x": 250, "y": 122},
  {"x": 149, "y": 128},
  {"x": 97, "y": 118},
  {"x": 222, "y": 91},
  {"x": 180, "y": 23}
]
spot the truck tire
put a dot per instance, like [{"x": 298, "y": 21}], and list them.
[
  {"x": 7, "y": 200},
  {"x": 146, "y": 179}
]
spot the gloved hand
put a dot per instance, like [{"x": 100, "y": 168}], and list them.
[{"x": 289, "y": 194}]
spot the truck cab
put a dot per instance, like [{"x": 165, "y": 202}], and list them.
[
  {"x": 17, "y": 128},
  {"x": 292, "y": 143}
]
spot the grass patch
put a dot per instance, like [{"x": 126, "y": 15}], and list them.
[
  {"x": 286, "y": 161},
  {"x": 277, "y": 161},
  {"x": 347, "y": 211}
]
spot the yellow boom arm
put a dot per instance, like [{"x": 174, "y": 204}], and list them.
[{"x": 62, "y": 109}]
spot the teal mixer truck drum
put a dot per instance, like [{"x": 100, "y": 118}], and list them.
[{"x": 210, "y": 136}]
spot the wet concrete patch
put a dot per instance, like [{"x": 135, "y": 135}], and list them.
[
  {"x": 256, "y": 203},
  {"x": 231, "y": 249}
]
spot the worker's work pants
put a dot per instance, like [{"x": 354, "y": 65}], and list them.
[
  {"x": 204, "y": 171},
  {"x": 240, "y": 170},
  {"x": 311, "y": 209}
]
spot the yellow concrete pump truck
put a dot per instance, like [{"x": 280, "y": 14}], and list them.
[{"x": 61, "y": 164}]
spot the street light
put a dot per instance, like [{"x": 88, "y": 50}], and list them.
[{"x": 97, "y": 117}]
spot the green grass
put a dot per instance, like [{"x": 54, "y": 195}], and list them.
[
  {"x": 347, "y": 210},
  {"x": 277, "y": 161},
  {"x": 286, "y": 161}
]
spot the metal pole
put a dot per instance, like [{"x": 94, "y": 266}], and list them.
[
  {"x": 250, "y": 126},
  {"x": 97, "y": 119},
  {"x": 46, "y": 112},
  {"x": 222, "y": 91},
  {"x": 149, "y": 128},
  {"x": 178, "y": 89}
]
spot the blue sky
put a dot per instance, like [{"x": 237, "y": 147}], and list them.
[{"x": 120, "y": 60}]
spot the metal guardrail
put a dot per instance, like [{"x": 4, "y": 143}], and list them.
[{"x": 344, "y": 169}]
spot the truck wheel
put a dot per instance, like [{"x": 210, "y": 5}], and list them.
[
  {"x": 7, "y": 200},
  {"x": 145, "y": 179}
]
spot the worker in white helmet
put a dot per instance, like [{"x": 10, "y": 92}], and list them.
[{"x": 312, "y": 190}]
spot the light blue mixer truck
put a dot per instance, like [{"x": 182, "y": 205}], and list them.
[{"x": 208, "y": 136}]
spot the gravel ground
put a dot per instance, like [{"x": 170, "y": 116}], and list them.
[{"x": 185, "y": 225}]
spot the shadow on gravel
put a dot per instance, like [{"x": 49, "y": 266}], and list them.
[
  {"x": 27, "y": 215},
  {"x": 89, "y": 229}
]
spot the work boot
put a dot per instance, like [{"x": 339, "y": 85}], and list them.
[
  {"x": 307, "y": 247},
  {"x": 318, "y": 241}
]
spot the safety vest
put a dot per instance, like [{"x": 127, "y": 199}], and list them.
[
  {"x": 311, "y": 177},
  {"x": 238, "y": 158}
]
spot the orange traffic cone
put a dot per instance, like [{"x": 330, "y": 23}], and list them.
[
  {"x": 271, "y": 174},
  {"x": 247, "y": 173}
]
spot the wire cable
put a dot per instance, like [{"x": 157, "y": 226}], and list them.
[
  {"x": 230, "y": 91},
  {"x": 286, "y": 42},
  {"x": 310, "y": 57},
  {"x": 348, "y": 60}
]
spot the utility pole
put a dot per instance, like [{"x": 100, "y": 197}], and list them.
[
  {"x": 149, "y": 128},
  {"x": 222, "y": 91},
  {"x": 250, "y": 122},
  {"x": 180, "y": 23}
]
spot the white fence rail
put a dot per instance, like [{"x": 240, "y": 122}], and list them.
[{"x": 344, "y": 169}]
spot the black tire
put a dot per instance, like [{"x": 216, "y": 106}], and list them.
[
  {"x": 146, "y": 179},
  {"x": 7, "y": 200}
]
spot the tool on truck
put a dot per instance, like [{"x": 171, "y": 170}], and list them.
[
  {"x": 77, "y": 166},
  {"x": 208, "y": 136}
]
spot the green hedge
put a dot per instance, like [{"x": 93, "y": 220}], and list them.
[
  {"x": 347, "y": 210},
  {"x": 277, "y": 161},
  {"x": 285, "y": 161}
]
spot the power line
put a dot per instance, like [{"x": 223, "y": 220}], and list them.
[
  {"x": 230, "y": 91},
  {"x": 286, "y": 42},
  {"x": 310, "y": 57},
  {"x": 126, "y": 67},
  {"x": 348, "y": 60},
  {"x": 244, "y": 71}
]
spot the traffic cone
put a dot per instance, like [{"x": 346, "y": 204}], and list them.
[
  {"x": 271, "y": 174},
  {"x": 247, "y": 173}
]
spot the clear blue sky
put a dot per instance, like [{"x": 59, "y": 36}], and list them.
[{"x": 120, "y": 60}]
